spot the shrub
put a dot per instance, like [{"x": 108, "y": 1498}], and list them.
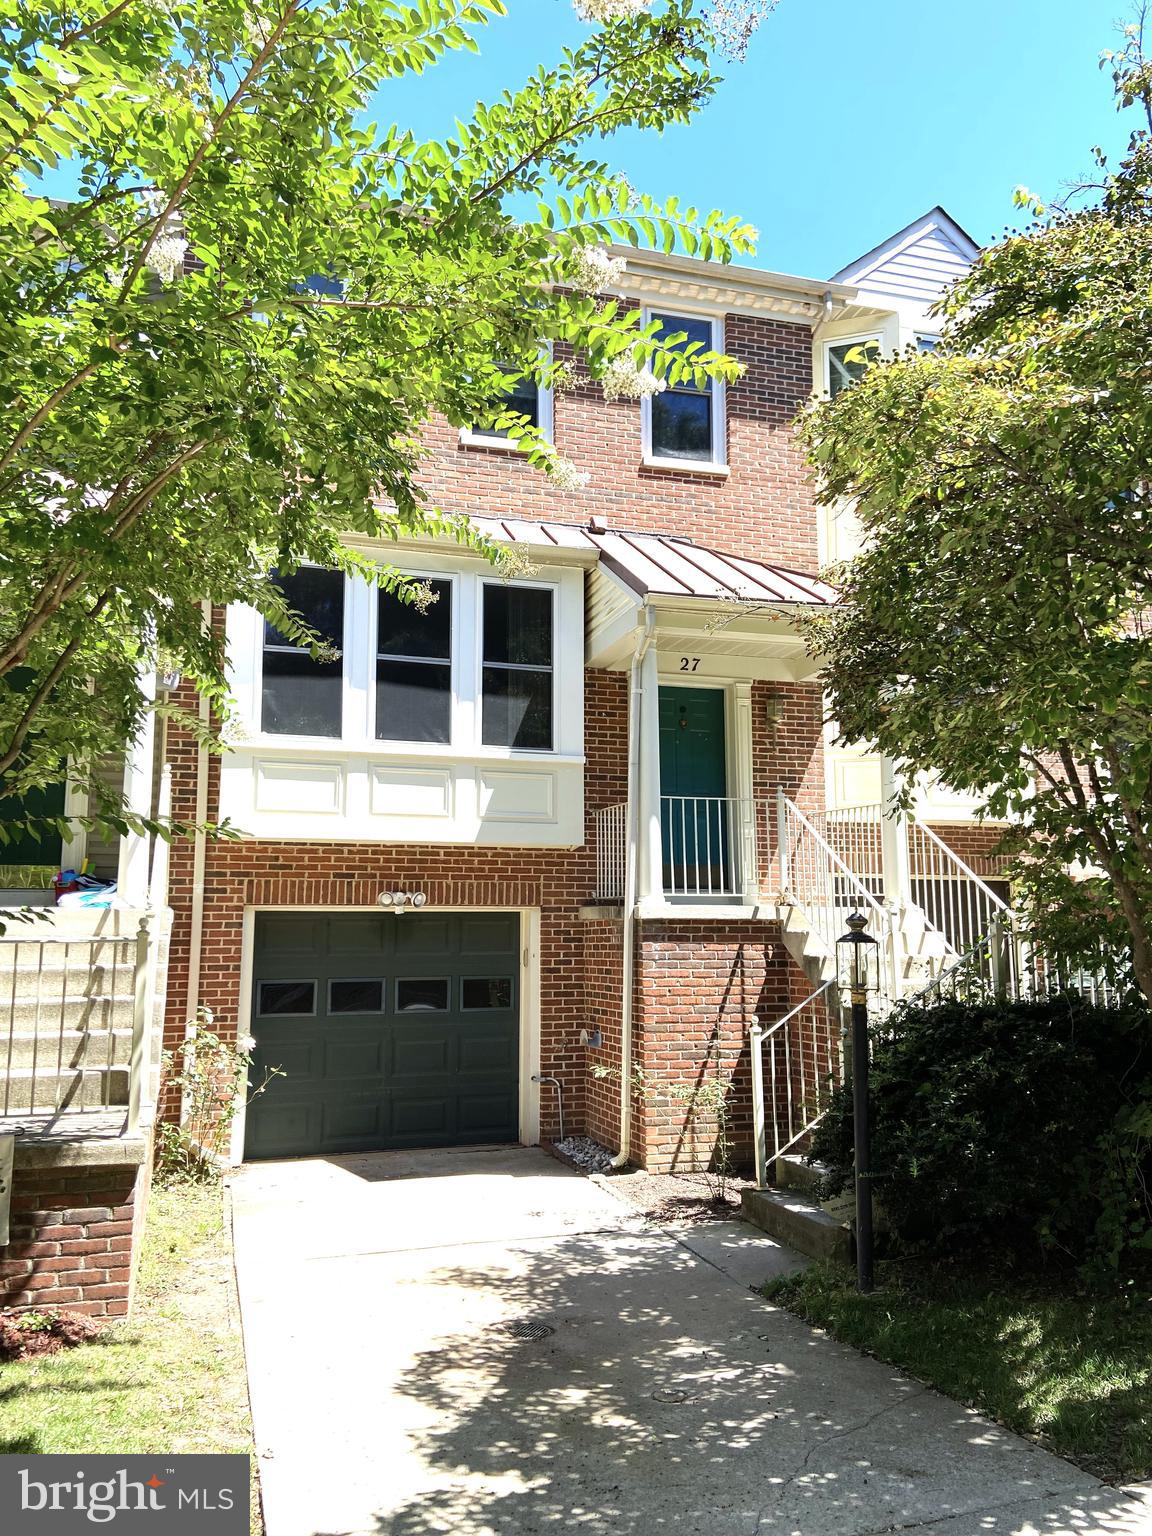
[{"x": 1018, "y": 1125}]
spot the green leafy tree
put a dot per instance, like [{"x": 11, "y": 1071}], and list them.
[
  {"x": 217, "y": 356},
  {"x": 995, "y": 628}
]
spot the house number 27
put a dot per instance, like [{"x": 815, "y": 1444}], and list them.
[{"x": 689, "y": 663}]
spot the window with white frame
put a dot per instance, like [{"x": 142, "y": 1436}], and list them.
[
  {"x": 526, "y": 397},
  {"x": 926, "y": 342},
  {"x": 471, "y": 664},
  {"x": 414, "y": 665},
  {"x": 684, "y": 423},
  {"x": 300, "y": 695},
  {"x": 849, "y": 360},
  {"x": 517, "y": 667}
]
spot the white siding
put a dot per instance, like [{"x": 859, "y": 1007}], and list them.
[{"x": 921, "y": 271}]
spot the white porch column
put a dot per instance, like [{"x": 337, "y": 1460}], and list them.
[
  {"x": 139, "y": 759},
  {"x": 894, "y": 840},
  {"x": 650, "y": 883}
]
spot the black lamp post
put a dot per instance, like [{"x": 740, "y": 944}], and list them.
[{"x": 857, "y": 948}]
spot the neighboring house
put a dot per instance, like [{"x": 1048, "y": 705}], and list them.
[{"x": 577, "y": 822}]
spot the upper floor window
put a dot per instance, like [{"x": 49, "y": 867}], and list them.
[
  {"x": 926, "y": 343},
  {"x": 517, "y": 667},
  {"x": 524, "y": 396},
  {"x": 685, "y": 421},
  {"x": 300, "y": 695},
  {"x": 848, "y": 361},
  {"x": 414, "y": 666}
]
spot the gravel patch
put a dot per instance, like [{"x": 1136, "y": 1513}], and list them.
[{"x": 584, "y": 1153}]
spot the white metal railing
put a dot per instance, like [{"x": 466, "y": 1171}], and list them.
[
  {"x": 701, "y": 839},
  {"x": 954, "y": 899},
  {"x": 1004, "y": 962},
  {"x": 856, "y": 833},
  {"x": 611, "y": 851},
  {"x": 815, "y": 879},
  {"x": 796, "y": 1063},
  {"x": 77, "y": 1020}
]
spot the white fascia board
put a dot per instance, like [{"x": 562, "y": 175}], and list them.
[
  {"x": 710, "y": 287},
  {"x": 544, "y": 552}
]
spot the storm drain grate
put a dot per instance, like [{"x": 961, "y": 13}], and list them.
[{"x": 527, "y": 1331}]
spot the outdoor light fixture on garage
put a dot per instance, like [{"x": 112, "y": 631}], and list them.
[{"x": 401, "y": 899}]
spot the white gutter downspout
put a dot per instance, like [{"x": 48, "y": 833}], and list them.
[
  {"x": 199, "y": 860},
  {"x": 644, "y": 638}
]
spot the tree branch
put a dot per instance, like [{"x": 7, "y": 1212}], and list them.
[
  {"x": 19, "y": 735},
  {"x": 254, "y": 71}
]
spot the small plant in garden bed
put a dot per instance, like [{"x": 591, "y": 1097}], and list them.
[
  {"x": 204, "y": 1075},
  {"x": 43, "y": 1333}
]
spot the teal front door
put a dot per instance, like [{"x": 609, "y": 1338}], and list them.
[
  {"x": 379, "y": 1030},
  {"x": 693, "y": 789}
]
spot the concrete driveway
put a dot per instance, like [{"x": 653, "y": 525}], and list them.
[{"x": 482, "y": 1343}]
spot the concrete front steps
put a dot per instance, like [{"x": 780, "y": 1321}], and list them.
[{"x": 790, "y": 1213}]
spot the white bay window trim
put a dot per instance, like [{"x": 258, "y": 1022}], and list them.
[{"x": 356, "y": 788}]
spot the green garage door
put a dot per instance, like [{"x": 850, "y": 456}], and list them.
[{"x": 389, "y": 1030}]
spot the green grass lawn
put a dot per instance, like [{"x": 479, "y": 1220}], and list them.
[
  {"x": 1073, "y": 1368},
  {"x": 171, "y": 1379}
]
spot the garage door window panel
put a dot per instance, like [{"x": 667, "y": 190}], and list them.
[
  {"x": 302, "y": 695},
  {"x": 482, "y": 994},
  {"x": 422, "y": 995},
  {"x": 279, "y": 998},
  {"x": 356, "y": 995}
]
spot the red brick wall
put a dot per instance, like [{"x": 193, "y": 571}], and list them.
[
  {"x": 602, "y": 986},
  {"x": 699, "y": 987},
  {"x": 787, "y": 751},
  {"x": 71, "y": 1239},
  {"x": 976, "y": 843},
  {"x": 763, "y": 509}
]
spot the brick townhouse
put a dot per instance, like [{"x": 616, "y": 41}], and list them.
[
  {"x": 506, "y": 852},
  {"x": 548, "y": 854}
]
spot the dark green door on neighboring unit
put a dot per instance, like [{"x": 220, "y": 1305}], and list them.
[
  {"x": 384, "y": 1030},
  {"x": 693, "y": 784}
]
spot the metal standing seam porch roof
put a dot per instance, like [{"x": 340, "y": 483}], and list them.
[{"x": 668, "y": 565}]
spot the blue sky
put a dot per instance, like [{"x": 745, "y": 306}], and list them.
[{"x": 848, "y": 119}]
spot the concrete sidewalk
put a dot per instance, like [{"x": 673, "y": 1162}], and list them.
[{"x": 483, "y": 1343}]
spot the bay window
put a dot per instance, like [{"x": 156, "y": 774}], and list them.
[
  {"x": 517, "y": 667},
  {"x": 471, "y": 666},
  {"x": 301, "y": 696},
  {"x": 414, "y": 667}
]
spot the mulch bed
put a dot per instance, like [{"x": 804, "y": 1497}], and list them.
[
  {"x": 661, "y": 1198},
  {"x": 666, "y": 1198},
  {"x": 23, "y": 1334}
]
